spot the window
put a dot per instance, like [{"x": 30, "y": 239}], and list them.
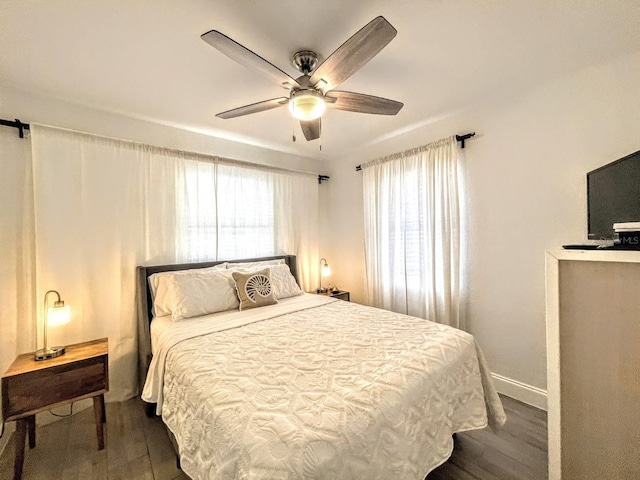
[
  {"x": 246, "y": 220},
  {"x": 229, "y": 215}
]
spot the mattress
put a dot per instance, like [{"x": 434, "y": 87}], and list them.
[{"x": 317, "y": 388}]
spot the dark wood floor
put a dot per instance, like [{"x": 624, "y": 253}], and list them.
[
  {"x": 137, "y": 447},
  {"x": 517, "y": 452}
]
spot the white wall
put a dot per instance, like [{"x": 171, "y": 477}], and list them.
[
  {"x": 525, "y": 174},
  {"x": 33, "y": 108}
]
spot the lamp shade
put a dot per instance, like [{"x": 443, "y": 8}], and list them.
[
  {"x": 306, "y": 105},
  {"x": 58, "y": 315},
  {"x": 326, "y": 270}
]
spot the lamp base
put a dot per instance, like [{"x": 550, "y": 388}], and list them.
[
  {"x": 322, "y": 290},
  {"x": 47, "y": 353}
]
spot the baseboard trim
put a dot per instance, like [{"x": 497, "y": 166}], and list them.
[{"x": 521, "y": 391}]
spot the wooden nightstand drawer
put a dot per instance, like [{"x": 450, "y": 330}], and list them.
[{"x": 33, "y": 391}]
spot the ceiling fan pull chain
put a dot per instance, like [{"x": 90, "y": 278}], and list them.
[{"x": 293, "y": 130}]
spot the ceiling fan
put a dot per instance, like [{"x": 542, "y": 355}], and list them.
[{"x": 313, "y": 91}]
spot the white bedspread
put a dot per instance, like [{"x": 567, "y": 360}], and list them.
[
  {"x": 318, "y": 389},
  {"x": 167, "y": 333}
]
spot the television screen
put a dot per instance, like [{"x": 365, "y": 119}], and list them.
[{"x": 613, "y": 196}]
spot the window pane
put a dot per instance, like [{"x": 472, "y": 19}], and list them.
[{"x": 230, "y": 213}]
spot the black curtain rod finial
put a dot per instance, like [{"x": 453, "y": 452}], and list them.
[
  {"x": 16, "y": 124},
  {"x": 466, "y": 136}
]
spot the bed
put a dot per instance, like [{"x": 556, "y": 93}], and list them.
[{"x": 310, "y": 387}]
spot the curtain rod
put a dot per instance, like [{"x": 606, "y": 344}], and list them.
[
  {"x": 25, "y": 126},
  {"x": 459, "y": 138},
  {"x": 16, "y": 124}
]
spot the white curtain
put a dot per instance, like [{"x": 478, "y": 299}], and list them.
[
  {"x": 412, "y": 232},
  {"x": 17, "y": 297},
  {"x": 104, "y": 206}
]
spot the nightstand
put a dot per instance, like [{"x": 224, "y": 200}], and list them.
[
  {"x": 30, "y": 387},
  {"x": 341, "y": 294}
]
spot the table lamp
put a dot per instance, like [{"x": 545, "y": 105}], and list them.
[
  {"x": 58, "y": 314},
  {"x": 325, "y": 271}
]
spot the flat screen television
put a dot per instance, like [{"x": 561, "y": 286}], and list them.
[{"x": 613, "y": 196}]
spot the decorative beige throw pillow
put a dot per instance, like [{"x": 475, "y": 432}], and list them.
[{"x": 254, "y": 289}]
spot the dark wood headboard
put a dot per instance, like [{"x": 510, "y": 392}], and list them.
[{"x": 144, "y": 302}]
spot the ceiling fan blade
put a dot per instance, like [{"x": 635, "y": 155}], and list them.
[
  {"x": 246, "y": 57},
  {"x": 361, "y": 103},
  {"x": 254, "y": 108},
  {"x": 353, "y": 54},
  {"x": 311, "y": 129}
]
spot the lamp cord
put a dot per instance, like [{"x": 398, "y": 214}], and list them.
[
  {"x": 63, "y": 416},
  {"x": 51, "y": 412}
]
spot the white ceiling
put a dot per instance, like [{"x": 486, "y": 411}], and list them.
[{"x": 145, "y": 58}]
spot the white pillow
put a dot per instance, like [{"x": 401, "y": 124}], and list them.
[
  {"x": 260, "y": 264},
  {"x": 201, "y": 292},
  {"x": 282, "y": 281},
  {"x": 284, "y": 285},
  {"x": 158, "y": 287}
]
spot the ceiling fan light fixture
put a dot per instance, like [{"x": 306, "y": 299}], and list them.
[{"x": 306, "y": 105}]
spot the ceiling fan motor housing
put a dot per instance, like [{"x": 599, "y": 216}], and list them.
[{"x": 305, "y": 61}]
